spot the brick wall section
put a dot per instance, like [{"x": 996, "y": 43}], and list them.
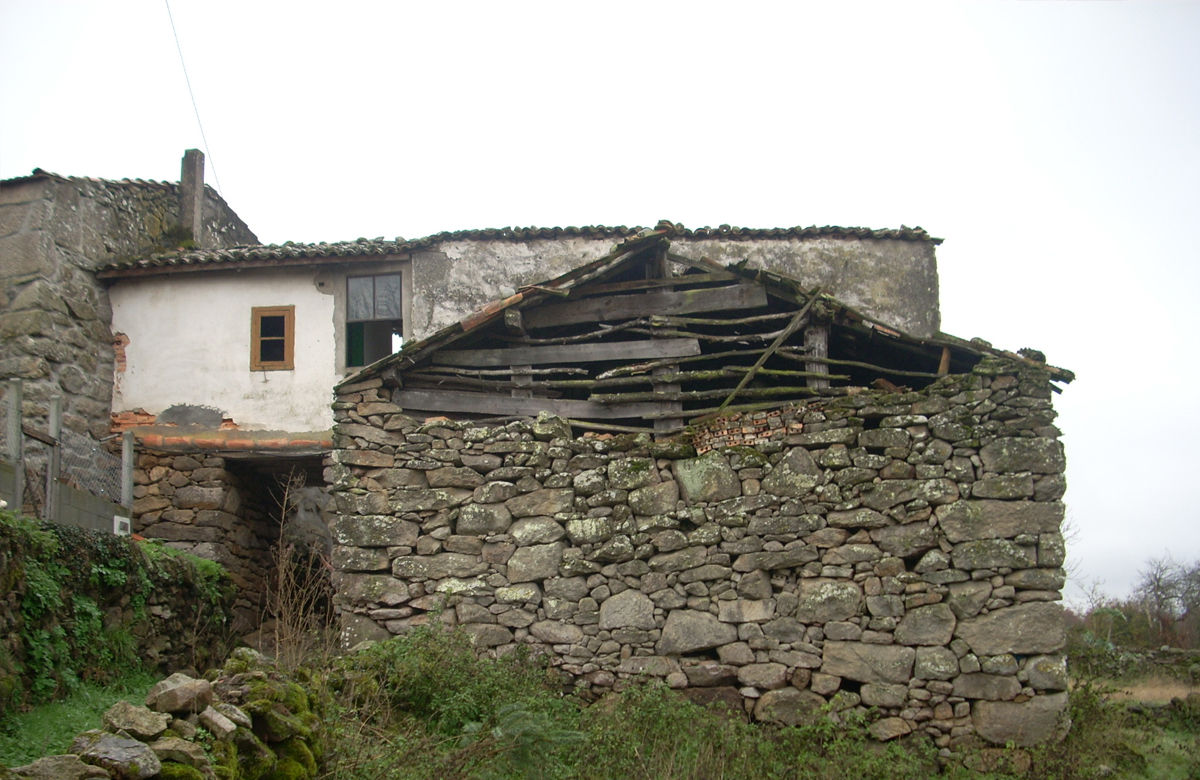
[{"x": 894, "y": 551}]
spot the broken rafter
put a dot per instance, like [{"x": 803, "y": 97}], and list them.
[
  {"x": 641, "y": 368},
  {"x": 604, "y": 330},
  {"x": 793, "y": 326},
  {"x": 800, "y": 357},
  {"x": 480, "y": 372},
  {"x": 694, "y": 395},
  {"x": 687, "y": 334},
  {"x": 680, "y": 376}
]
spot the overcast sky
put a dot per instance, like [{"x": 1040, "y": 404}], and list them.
[{"x": 1053, "y": 145}]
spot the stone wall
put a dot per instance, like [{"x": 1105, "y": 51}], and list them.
[
  {"x": 54, "y": 314},
  {"x": 894, "y": 551},
  {"x": 205, "y": 505},
  {"x": 84, "y": 604}
]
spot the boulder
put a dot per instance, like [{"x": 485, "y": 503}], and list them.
[
  {"x": 794, "y": 475},
  {"x": 179, "y": 693},
  {"x": 373, "y": 531},
  {"x": 123, "y": 757},
  {"x": 631, "y": 473},
  {"x": 688, "y": 630},
  {"x": 935, "y": 663},
  {"x": 1015, "y": 455},
  {"x": 929, "y": 625},
  {"x": 658, "y": 499},
  {"x": 1023, "y": 724},
  {"x": 964, "y": 521},
  {"x": 535, "y": 562},
  {"x": 1026, "y": 629},
  {"x": 139, "y": 722},
  {"x": 789, "y": 707},
  {"x": 483, "y": 519},
  {"x": 889, "y": 728},
  {"x": 986, "y": 686},
  {"x": 63, "y": 767},
  {"x": 548, "y": 501},
  {"x": 627, "y": 609},
  {"x": 706, "y": 478},
  {"x": 824, "y": 601},
  {"x": 868, "y": 663}
]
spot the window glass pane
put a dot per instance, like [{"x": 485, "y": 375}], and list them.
[
  {"x": 271, "y": 350},
  {"x": 387, "y": 297},
  {"x": 354, "y": 344},
  {"x": 360, "y": 298},
  {"x": 271, "y": 327}
]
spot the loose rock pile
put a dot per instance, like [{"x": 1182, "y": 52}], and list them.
[
  {"x": 893, "y": 551},
  {"x": 255, "y": 724}
]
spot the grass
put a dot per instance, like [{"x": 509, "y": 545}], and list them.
[
  {"x": 423, "y": 706},
  {"x": 48, "y": 729}
]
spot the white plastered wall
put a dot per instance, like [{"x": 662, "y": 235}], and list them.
[{"x": 189, "y": 344}]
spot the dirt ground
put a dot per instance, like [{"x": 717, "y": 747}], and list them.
[{"x": 1157, "y": 690}]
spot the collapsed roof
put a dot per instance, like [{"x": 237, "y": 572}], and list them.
[{"x": 646, "y": 338}]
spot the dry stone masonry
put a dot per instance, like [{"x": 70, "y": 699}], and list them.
[
  {"x": 894, "y": 551},
  {"x": 198, "y": 503}
]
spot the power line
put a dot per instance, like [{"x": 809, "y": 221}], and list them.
[{"x": 211, "y": 160}]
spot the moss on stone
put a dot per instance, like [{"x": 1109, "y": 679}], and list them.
[
  {"x": 175, "y": 771},
  {"x": 287, "y": 769},
  {"x": 297, "y": 750}
]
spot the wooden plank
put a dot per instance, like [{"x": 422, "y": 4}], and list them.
[
  {"x": 650, "y": 284},
  {"x": 797, "y": 321},
  {"x": 572, "y": 353},
  {"x": 627, "y": 307},
  {"x": 816, "y": 344},
  {"x": 489, "y": 403},
  {"x": 523, "y": 381}
]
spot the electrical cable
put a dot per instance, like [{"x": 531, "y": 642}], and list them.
[{"x": 204, "y": 140}]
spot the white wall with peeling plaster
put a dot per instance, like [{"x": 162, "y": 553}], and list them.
[{"x": 189, "y": 344}]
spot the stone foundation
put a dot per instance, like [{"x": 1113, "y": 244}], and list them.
[{"x": 894, "y": 551}]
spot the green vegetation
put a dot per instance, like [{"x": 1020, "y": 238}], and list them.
[
  {"x": 82, "y": 599},
  {"x": 49, "y": 728}
]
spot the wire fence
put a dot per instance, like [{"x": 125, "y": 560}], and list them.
[
  {"x": 49, "y": 465},
  {"x": 86, "y": 465}
]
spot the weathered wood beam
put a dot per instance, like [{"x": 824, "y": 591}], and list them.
[
  {"x": 641, "y": 368},
  {"x": 797, "y": 321},
  {"x": 816, "y": 344},
  {"x": 490, "y": 403},
  {"x": 576, "y": 353},
  {"x": 716, "y": 339},
  {"x": 626, "y": 307},
  {"x": 478, "y": 372},
  {"x": 602, "y": 332},
  {"x": 650, "y": 284},
  {"x": 804, "y": 358},
  {"x": 696, "y": 395},
  {"x": 679, "y": 376}
]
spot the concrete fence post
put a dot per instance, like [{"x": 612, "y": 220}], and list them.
[
  {"x": 16, "y": 442},
  {"x": 127, "y": 472},
  {"x": 54, "y": 463}
]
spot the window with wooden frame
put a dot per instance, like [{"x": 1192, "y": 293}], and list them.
[{"x": 272, "y": 338}]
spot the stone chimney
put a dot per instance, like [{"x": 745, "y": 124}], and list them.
[{"x": 191, "y": 194}]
